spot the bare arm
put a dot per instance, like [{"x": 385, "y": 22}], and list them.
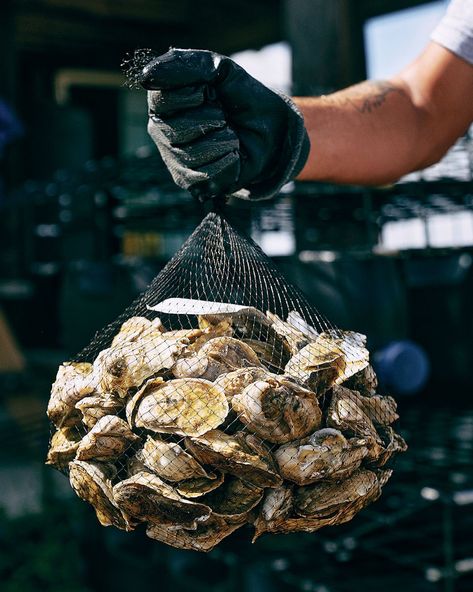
[{"x": 375, "y": 132}]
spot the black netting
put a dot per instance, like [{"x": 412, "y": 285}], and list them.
[{"x": 221, "y": 398}]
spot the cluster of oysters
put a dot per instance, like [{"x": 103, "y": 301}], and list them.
[{"x": 245, "y": 419}]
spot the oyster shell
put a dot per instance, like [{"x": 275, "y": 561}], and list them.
[
  {"x": 187, "y": 406},
  {"x": 234, "y": 382},
  {"x": 352, "y": 345},
  {"x": 95, "y": 407},
  {"x": 189, "y": 335},
  {"x": 91, "y": 482},
  {"x": 63, "y": 447},
  {"x": 317, "y": 366},
  {"x": 204, "y": 538},
  {"x": 136, "y": 327},
  {"x": 241, "y": 455},
  {"x": 200, "y": 485},
  {"x": 381, "y": 410},
  {"x": 295, "y": 320},
  {"x": 107, "y": 440},
  {"x": 267, "y": 355},
  {"x": 169, "y": 460},
  {"x": 334, "y": 501},
  {"x": 324, "y": 504},
  {"x": 217, "y": 356},
  {"x": 347, "y": 414},
  {"x": 129, "y": 364},
  {"x": 364, "y": 381},
  {"x": 250, "y": 323},
  {"x": 234, "y": 500},
  {"x": 295, "y": 338},
  {"x": 74, "y": 381},
  {"x": 209, "y": 331},
  {"x": 275, "y": 509},
  {"x": 392, "y": 444},
  {"x": 277, "y": 409},
  {"x": 145, "y": 497},
  {"x": 326, "y": 454}
]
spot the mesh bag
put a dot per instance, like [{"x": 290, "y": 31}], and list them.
[{"x": 221, "y": 398}]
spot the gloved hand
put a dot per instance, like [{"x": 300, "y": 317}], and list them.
[{"x": 220, "y": 131}]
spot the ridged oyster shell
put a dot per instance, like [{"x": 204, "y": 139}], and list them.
[
  {"x": 241, "y": 455},
  {"x": 92, "y": 483},
  {"x": 147, "y": 498},
  {"x": 187, "y": 406},
  {"x": 326, "y": 454},
  {"x": 63, "y": 447},
  {"x": 278, "y": 409},
  {"x": 169, "y": 460},
  {"x": 216, "y": 357},
  {"x": 205, "y": 537},
  {"x": 107, "y": 440},
  {"x": 74, "y": 381}
]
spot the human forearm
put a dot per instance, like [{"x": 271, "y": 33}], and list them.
[
  {"x": 375, "y": 132},
  {"x": 364, "y": 134}
]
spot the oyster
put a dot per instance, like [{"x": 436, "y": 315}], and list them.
[
  {"x": 381, "y": 410},
  {"x": 63, "y": 447},
  {"x": 204, "y": 538},
  {"x": 200, "y": 485},
  {"x": 136, "y": 327},
  {"x": 241, "y": 455},
  {"x": 334, "y": 502},
  {"x": 189, "y": 335},
  {"x": 169, "y": 460},
  {"x": 392, "y": 444},
  {"x": 295, "y": 338},
  {"x": 275, "y": 509},
  {"x": 267, "y": 355},
  {"x": 234, "y": 382},
  {"x": 295, "y": 320},
  {"x": 145, "y": 497},
  {"x": 187, "y": 406},
  {"x": 317, "y": 366},
  {"x": 107, "y": 440},
  {"x": 234, "y": 500},
  {"x": 217, "y": 356},
  {"x": 323, "y": 504},
  {"x": 91, "y": 482},
  {"x": 364, "y": 381},
  {"x": 352, "y": 345},
  {"x": 129, "y": 364},
  {"x": 95, "y": 407},
  {"x": 326, "y": 454},
  {"x": 278, "y": 409},
  {"x": 209, "y": 331},
  {"x": 74, "y": 381},
  {"x": 347, "y": 414}
]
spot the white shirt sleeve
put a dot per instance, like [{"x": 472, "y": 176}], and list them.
[{"x": 455, "y": 30}]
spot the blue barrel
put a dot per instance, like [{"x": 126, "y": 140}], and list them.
[{"x": 402, "y": 367}]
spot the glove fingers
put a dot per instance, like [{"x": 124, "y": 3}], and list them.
[
  {"x": 216, "y": 178},
  {"x": 163, "y": 102},
  {"x": 178, "y": 68},
  {"x": 210, "y": 179},
  {"x": 200, "y": 152},
  {"x": 181, "y": 129}
]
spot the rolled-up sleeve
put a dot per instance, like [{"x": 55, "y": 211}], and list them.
[{"x": 455, "y": 30}]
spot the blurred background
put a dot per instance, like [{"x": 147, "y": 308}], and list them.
[{"x": 89, "y": 215}]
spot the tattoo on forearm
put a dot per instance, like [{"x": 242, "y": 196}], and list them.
[{"x": 367, "y": 96}]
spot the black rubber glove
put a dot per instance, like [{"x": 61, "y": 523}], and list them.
[{"x": 220, "y": 131}]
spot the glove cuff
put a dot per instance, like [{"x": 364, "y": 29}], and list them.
[{"x": 293, "y": 156}]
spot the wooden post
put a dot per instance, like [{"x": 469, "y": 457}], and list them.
[{"x": 327, "y": 44}]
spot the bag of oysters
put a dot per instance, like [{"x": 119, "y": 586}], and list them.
[{"x": 220, "y": 398}]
